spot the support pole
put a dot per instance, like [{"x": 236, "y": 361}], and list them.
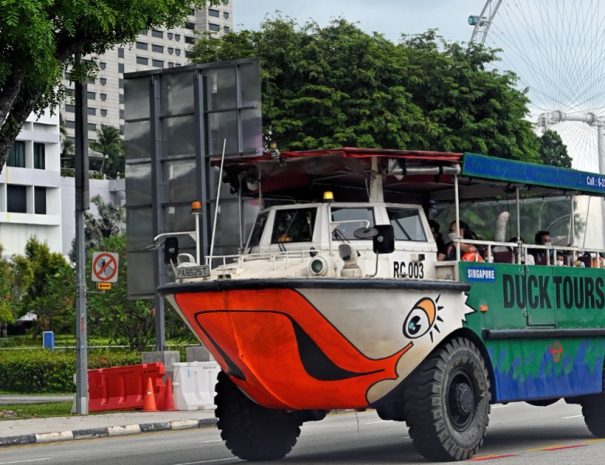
[
  {"x": 82, "y": 204},
  {"x": 601, "y": 151}
]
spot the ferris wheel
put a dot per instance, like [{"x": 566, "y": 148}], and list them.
[{"x": 556, "y": 49}]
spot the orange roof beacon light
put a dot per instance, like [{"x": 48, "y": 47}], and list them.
[
  {"x": 328, "y": 196},
  {"x": 196, "y": 206}
]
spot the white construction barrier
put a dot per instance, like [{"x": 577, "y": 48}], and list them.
[{"x": 193, "y": 386}]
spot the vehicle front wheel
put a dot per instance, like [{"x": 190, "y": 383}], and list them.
[
  {"x": 446, "y": 402},
  {"x": 250, "y": 431}
]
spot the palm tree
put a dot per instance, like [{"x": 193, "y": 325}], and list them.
[{"x": 109, "y": 143}]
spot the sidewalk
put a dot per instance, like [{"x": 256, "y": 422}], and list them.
[{"x": 41, "y": 430}]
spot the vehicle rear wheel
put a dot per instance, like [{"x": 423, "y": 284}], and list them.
[
  {"x": 250, "y": 431},
  {"x": 593, "y": 409},
  {"x": 447, "y": 402}
]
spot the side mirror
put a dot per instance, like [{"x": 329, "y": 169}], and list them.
[
  {"x": 171, "y": 250},
  {"x": 384, "y": 241}
]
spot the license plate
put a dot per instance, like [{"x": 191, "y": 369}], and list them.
[{"x": 200, "y": 271}]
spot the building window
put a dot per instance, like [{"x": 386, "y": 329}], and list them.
[
  {"x": 170, "y": 35},
  {"x": 92, "y": 96},
  {"x": 189, "y": 40},
  {"x": 103, "y": 81},
  {"x": 102, "y": 65},
  {"x": 16, "y": 198},
  {"x": 121, "y": 114},
  {"x": 142, "y": 61},
  {"x": 70, "y": 108},
  {"x": 121, "y": 52},
  {"x": 157, "y": 48},
  {"x": 70, "y": 124},
  {"x": 226, "y": 14},
  {"x": 188, "y": 54},
  {"x": 214, "y": 27},
  {"x": 120, "y": 67},
  {"x": 170, "y": 50},
  {"x": 103, "y": 96},
  {"x": 192, "y": 12},
  {"x": 92, "y": 111},
  {"x": 142, "y": 46},
  {"x": 177, "y": 51},
  {"x": 16, "y": 155},
  {"x": 92, "y": 127},
  {"x": 226, "y": 29},
  {"x": 39, "y": 156},
  {"x": 177, "y": 37},
  {"x": 170, "y": 64},
  {"x": 157, "y": 63},
  {"x": 121, "y": 98},
  {"x": 121, "y": 83},
  {"x": 213, "y": 12},
  {"x": 40, "y": 200},
  {"x": 91, "y": 80},
  {"x": 190, "y": 26},
  {"x": 103, "y": 112},
  {"x": 158, "y": 34}
]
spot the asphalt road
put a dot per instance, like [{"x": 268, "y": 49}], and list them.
[{"x": 518, "y": 434}]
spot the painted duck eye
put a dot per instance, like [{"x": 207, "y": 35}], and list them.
[{"x": 420, "y": 320}]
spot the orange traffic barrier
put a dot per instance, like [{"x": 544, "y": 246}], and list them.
[
  {"x": 124, "y": 388},
  {"x": 149, "y": 404}
]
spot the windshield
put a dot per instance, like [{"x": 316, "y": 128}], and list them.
[
  {"x": 257, "y": 231},
  {"x": 407, "y": 224},
  {"x": 293, "y": 225},
  {"x": 347, "y": 220}
]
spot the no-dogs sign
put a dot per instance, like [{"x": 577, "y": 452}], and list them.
[{"x": 104, "y": 267}]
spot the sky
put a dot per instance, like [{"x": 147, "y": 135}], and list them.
[{"x": 389, "y": 17}]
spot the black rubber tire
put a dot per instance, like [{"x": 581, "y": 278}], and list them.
[
  {"x": 447, "y": 402},
  {"x": 250, "y": 431},
  {"x": 593, "y": 410}
]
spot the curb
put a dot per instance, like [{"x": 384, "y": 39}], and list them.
[{"x": 106, "y": 431}]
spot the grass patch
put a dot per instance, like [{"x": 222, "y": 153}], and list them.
[{"x": 23, "y": 411}]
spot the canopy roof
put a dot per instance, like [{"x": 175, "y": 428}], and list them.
[{"x": 405, "y": 174}]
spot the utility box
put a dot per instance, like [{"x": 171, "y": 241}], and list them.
[{"x": 48, "y": 340}]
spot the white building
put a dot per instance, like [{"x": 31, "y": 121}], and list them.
[
  {"x": 157, "y": 48},
  {"x": 30, "y": 187}
]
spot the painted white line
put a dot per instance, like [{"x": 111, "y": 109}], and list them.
[
  {"x": 183, "y": 424},
  {"x": 207, "y": 461},
  {"x": 213, "y": 440},
  {"x": 374, "y": 422},
  {"x": 573, "y": 416},
  {"x": 26, "y": 461}
]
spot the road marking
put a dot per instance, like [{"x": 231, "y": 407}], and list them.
[
  {"x": 556, "y": 448},
  {"x": 593, "y": 441},
  {"x": 482, "y": 458},
  {"x": 26, "y": 461},
  {"x": 573, "y": 416},
  {"x": 214, "y": 440},
  {"x": 207, "y": 461}
]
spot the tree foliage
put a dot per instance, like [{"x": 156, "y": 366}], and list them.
[
  {"x": 553, "y": 151},
  {"x": 109, "y": 143},
  {"x": 41, "y": 37},
  {"x": 339, "y": 86}
]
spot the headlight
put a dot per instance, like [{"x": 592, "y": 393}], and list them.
[{"x": 318, "y": 266}]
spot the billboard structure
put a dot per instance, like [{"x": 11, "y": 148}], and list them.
[{"x": 176, "y": 120}]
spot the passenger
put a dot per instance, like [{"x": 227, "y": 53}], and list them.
[
  {"x": 540, "y": 255},
  {"x": 441, "y": 248},
  {"x": 468, "y": 252}
]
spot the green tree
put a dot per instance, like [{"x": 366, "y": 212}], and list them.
[
  {"x": 553, "y": 151},
  {"x": 46, "y": 283},
  {"x": 109, "y": 143},
  {"x": 7, "y": 314},
  {"x": 41, "y": 37},
  {"x": 339, "y": 86}
]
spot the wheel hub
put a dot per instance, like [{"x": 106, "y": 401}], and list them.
[{"x": 463, "y": 398}]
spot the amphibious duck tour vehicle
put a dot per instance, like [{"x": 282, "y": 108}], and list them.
[{"x": 339, "y": 301}]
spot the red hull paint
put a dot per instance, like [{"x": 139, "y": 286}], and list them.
[{"x": 290, "y": 355}]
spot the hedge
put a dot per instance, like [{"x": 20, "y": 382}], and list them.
[{"x": 43, "y": 371}]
